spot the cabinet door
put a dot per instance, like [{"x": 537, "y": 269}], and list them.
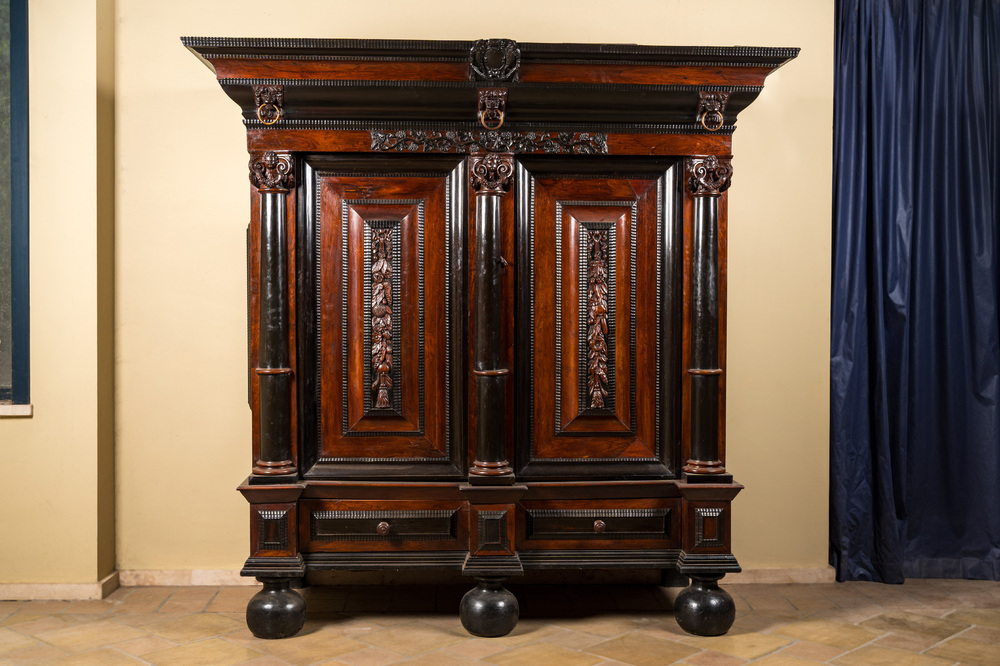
[
  {"x": 599, "y": 318},
  {"x": 382, "y": 304}
]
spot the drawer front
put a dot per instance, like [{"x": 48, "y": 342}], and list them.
[
  {"x": 633, "y": 523},
  {"x": 363, "y": 525}
]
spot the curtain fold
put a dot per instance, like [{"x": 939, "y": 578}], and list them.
[{"x": 915, "y": 350}]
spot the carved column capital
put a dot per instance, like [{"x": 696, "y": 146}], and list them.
[
  {"x": 271, "y": 171},
  {"x": 491, "y": 173},
  {"x": 708, "y": 176}
]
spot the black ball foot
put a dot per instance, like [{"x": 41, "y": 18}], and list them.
[
  {"x": 703, "y": 608},
  {"x": 489, "y": 609},
  {"x": 276, "y": 611}
]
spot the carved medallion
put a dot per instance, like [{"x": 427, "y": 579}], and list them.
[
  {"x": 271, "y": 171},
  {"x": 711, "y": 109},
  {"x": 381, "y": 311},
  {"x": 708, "y": 176},
  {"x": 491, "y": 173},
  {"x": 270, "y": 102},
  {"x": 494, "y": 60},
  {"x": 597, "y": 317},
  {"x": 575, "y": 143}
]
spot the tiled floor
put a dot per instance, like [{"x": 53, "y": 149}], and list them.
[{"x": 921, "y": 622}]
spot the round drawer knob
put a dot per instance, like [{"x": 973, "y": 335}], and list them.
[
  {"x": 599, "y": 526},
  {"x": 383, "y": 528}
]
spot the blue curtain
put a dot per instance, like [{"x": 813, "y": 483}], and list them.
[{"x": 915, "y": 351}]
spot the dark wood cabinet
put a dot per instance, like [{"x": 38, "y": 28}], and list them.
[{"x": 487, "y": 287}]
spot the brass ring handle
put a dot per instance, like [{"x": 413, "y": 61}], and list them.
[
  {"x": 482, "y": 121},
  {"x": 277, "y": 113},
  {"x": 600, "y": 526},
  {"x": 704, "y": 116},
  {"x": 382, "y": 528}
]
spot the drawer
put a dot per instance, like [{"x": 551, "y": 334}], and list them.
[
  {"x": 372, "y": 525},
  {"x": 606, "y": 523}
]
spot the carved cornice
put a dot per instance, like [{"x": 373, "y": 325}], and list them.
[
  {"x": 491, "y": 173},
  {"x": 708, "y": 176},
  {"x": 575, "y": 143},
  {"x": 381, "y": 315},
  {"x": 494, "y": 60},
  {"x": 711, "y": 109},
  {"x": 271, "y": 171},
  {"x": 270, "y": 102},
  {"x": 597, "y": 317}
]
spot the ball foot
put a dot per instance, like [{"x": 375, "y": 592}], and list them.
[
  {"x": 277, "y": 611},
  {"x": 489, "y": 609},
  {"x": 703, "y": 608}
]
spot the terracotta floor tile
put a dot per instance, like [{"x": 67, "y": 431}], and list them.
[
  {"x": 603, "y": 625},
  {"x": 834, "y": 634},
  {"x": 90, "y": 636},
  {"x": 642, "y": 650},
  {"x": 43, "y": 623},
  {"x": 915, "y": 623},
  {"x": 309, "y": 648},
  {"x": 44, "y": 607},
  {"x": 414, "y": 638},
  {"x": 872, "y": 655},
  {"x": 984, "y": 634},
  {"x": 543, "y": 653},
  {"x": 477, "y": 648},
  {"x": 713, "y": 658},
  {"x": 526, "y": 631},
  {"x": 370, "y": 657},
  {"x": 39, "y": 654},
  {"x": 577, "y": 640},
  {"x": 967, "y": 651},
  {"x": 190, "y": 628},
  {"x": 11, "y": 640},
  {"x": 984, "y": 617},
  {"x": 812, "y": 651},
  {"x": 748, "y": 646},
  {"x": 140, "y": 646},
  {"x": 104, "y": 657},
  {"x": 90, "y": 606},
  {"x": 189, "y": 600},
  {"x": 781, "y": 659},
  {"x": 213, "y": 652},
  {"x": 233, "y": 599},
  {"x": 264, "y": 661},
  {"x": 440, "y": 658}
]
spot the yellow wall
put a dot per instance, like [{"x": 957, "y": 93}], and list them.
[
  {"x": 58, "y": 517},
  {"x": 181, "y": 208}
]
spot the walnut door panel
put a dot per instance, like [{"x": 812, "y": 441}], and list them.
[
  {"x": 599, "y": 321},
  {"x": 388, "y": 241}
]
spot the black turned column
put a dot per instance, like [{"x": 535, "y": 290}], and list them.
[
  {"x": 490, "y": 178},
  {"x": 271, "y": 174},
  {"x": 708, "y": 177}
]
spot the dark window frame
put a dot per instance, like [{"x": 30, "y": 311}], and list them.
[{"x": 20, "y": 380}]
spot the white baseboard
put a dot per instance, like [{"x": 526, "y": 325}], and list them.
[
  {"x": 59, "y": 591},
  {"x": 780, "y": 576},
  {"x": 183, "y": 577}
]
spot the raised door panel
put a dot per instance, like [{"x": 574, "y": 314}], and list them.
[
  {"x": 387, "y": 319},
  {"x": 598, "y": 374}
]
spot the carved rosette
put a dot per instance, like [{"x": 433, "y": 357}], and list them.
[
  {"x": 381, "y": 311},
  {"x": 270, "y": 102},
  {"x": 708, "y": 176},
  {"x": 711, "y": 109},
  {"x": 271, "y": 171},
  {"x": 597, "y": 317},
  {"x": 494, "y": 60},
  {"x": 491, "y": 173}
]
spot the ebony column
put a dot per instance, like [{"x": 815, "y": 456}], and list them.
[
  {"x": 491, "y": 179},
  {"x": 271, "y": 174},
  {"x": 708, "y": 177}
]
